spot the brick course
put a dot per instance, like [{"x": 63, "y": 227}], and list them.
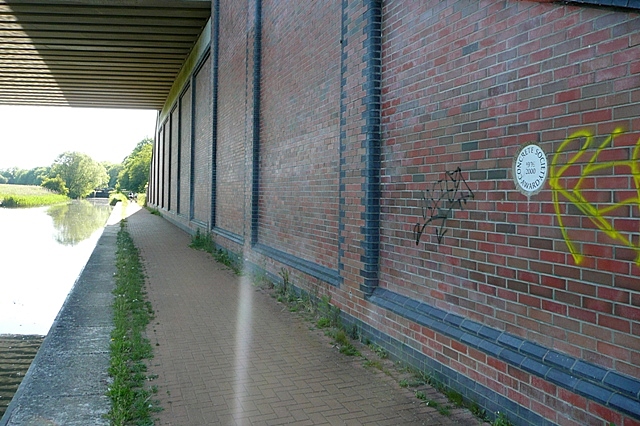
[
  {"x": 166, "y": 165},
  {"x": 202, "y": 146},
  {"x": 299, "y": 155},
  {"x": 184, "y": 106},
  {"x": 232, "y": 103},
  {"x": 174, "y": 156}
]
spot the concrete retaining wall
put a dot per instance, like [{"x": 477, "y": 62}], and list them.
[{"x": 67, "y": 381}]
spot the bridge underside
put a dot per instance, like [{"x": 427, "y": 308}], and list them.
[{"x": 95, "y": 53}]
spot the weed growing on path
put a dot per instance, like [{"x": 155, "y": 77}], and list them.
[
  {"x": 130, "y": 400},
  {"x": 204, "y": 242},
  {"x": 501, "y": 420},
  {"x": 155, "y": 212},
  {"x": 326, "y": 316},
  {"x": 344, "y": 344}
]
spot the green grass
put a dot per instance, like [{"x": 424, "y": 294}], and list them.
[
  {"x": 28, "y": 196},
  {"x": 323, "y": 322},
  {"x": 154, "y": 211},
  {"x": 382, "y": 354},
  {"x": 115, "y": 197},
  {"x": 501, "y": 420},
  {"x": 130, "y": 399},
  {"x": 205, "y": 242},
  {"x": 202, "y": 242},
  {"x": 343, "y": 343},
  {"x": 374, "y": 363}
]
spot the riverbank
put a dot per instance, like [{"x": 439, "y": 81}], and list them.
[
  {"x": 28, "y": 196},
  {"x": 68, "y": 379}
]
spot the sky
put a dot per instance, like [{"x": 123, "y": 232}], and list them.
[{"x": 35, "y": 136}]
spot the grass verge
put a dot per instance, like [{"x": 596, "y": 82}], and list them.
[
  {"x": 131, "y": 397},
  {"x": 28, "y": 196}
]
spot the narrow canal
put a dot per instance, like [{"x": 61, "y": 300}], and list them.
[{"x": 42, "y": 252}]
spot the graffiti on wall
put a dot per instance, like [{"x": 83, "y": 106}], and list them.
[
  {"x": 438, "y": 203},
  {"x": 567, "y": 186}
]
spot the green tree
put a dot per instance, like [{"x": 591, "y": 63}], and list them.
[
  {"x": 17, "y": 176},
  {"x": 21, "y": 177},
  {"x": 55, "y": 184},
  {"x": 34, "y": 176},
  {"x": 113, "y": 170},
  {"x": 80, "y": 173},
  {"x": 135, "y": 171},
  {"x": 9, "y": 174}
]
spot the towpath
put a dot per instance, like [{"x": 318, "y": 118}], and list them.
[{"x": 225, "y": 352}]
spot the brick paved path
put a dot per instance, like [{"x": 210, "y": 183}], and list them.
[{"x": 227, "y": 353}]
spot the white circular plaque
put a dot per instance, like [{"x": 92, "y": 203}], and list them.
[{"x": 530, "y": 169}]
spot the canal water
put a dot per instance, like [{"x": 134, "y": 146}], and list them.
[{"x": 42, "y": 252}]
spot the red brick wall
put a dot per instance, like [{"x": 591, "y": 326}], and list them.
[
  {"x": 162, "y": 182},
  {"x": 202, "y": 145},
  {"x": 151, "y": 189},
  {"x": 465, "y": 84},
  {"x": 157, "y": 157},
  {"x": 166, "y": 165},
  {"x": 504, "y": 260},
  {"x": 184, "y": 106},
  {"x": 232, "y": 104},
  {"x": 299, "y": 152},
  {"x": 174, "y": 119}
]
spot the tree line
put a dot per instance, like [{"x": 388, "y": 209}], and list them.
[{"x": 77, "y": 175}]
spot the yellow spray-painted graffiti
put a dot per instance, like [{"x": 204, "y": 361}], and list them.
[{"x": 576, "y": 195}]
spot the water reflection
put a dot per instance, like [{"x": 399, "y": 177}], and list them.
[
  {"x": 75, "y": 222},
  {"x": 42, "y": 252}
]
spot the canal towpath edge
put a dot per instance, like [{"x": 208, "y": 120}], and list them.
[{"x": 67, "y": 381}]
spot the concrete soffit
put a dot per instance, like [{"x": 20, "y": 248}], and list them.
[
  {"x": 193, "y": 61},
  {"x": 96, "y": 53}
]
